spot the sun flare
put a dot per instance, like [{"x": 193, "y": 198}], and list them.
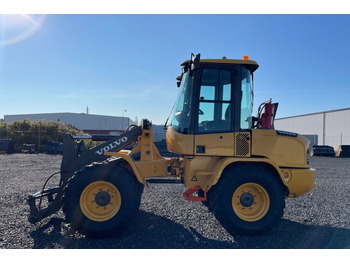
[{"x": 16, "y": 28}]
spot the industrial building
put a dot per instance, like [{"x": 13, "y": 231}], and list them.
[
  {"x": 331, "y": 128},
  {"x": 92, "y": 124}
]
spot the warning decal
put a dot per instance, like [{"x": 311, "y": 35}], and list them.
[{"x": 194, "y": 178}]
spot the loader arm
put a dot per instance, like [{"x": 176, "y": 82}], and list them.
[{"x": 72, "y": 162}]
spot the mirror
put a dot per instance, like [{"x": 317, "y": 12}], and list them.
[{"x": 195, "y": 61}]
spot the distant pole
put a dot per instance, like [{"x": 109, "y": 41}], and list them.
[{"x": 124, "y": 110}]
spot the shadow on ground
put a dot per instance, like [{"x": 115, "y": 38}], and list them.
[{"x": 150, "y": 231}]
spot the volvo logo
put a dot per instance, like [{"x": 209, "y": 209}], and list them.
[{"x": 111, "y": 146}]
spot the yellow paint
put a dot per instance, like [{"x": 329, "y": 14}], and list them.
[
  {"x": 284, "y": 155},
  {"x": 208, "y": 171},
  {"x": 179, "y": 143},
  {"x": 300, "y": 181},
  {"x": 251, "y": 63},
  {"x": 284, "y": 150},
  {"x": 257, "y": 205},
  {"x": 220, "y": 144},
  {"x": 151, "y": 163}
]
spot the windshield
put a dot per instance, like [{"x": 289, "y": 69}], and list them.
[
  {"x": 247, "y": 100},
  {"x": 180, "y": 118}
]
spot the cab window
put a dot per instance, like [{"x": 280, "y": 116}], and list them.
[
  {"x": 214, "y": 107},
  {"x": 180, "y": 118},
  {"x": 246, "y": 102}
]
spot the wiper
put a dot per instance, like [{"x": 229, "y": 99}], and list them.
[{"x": 165, "y": 127}]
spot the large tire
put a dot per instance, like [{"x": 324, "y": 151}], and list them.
[
  {"x": 201, "y": 194},
  {"x": 248, "y": 199},
  {"x": 101, "y": 199}
]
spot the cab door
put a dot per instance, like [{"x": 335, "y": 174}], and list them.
[{"x": 214, "y": 115}]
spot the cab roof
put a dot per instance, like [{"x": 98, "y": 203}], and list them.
[{"x": 224, "y": 61}]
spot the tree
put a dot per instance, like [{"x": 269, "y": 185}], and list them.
[{"x": 37, "y": 132}]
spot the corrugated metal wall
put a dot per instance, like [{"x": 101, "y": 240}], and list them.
[
  {"x": 332, "y": 128},
  {"x": 337, "y": 128}
]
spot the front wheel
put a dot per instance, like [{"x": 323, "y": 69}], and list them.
[
  {"x": 248, "y": 199},
  {"x": 101, "y": 199}
]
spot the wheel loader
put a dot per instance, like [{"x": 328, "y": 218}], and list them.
[{"x": 235, "y": 163}]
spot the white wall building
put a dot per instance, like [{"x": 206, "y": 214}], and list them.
[
  {"x": 97, "y": 124},
  {"x": 331, "y": 128}
]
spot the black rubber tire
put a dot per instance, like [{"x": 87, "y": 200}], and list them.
[
  {"x": 221, "y": 200},
  {"x": 130, "y": 197},
  {"x": 201, "y": 194}
]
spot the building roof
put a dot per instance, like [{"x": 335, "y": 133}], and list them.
[{"x": 317, "y": 113}]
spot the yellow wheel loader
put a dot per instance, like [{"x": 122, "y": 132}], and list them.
[{"x": 236, "y": 164}]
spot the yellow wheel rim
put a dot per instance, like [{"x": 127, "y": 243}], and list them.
[
  {"x": 250, "y": 202},
  {"x": 100, "y": 201}
]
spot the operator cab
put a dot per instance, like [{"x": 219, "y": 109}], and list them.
[
  {"x": 215, "y": 96},
  {"x": 207, "y": 95}
]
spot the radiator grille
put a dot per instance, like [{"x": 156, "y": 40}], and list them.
[{"x": 242, "y": 144}]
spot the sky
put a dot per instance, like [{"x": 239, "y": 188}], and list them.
[{"x": 127, "y": 64}]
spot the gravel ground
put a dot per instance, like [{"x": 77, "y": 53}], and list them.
[{"x": 320, "y": 219}]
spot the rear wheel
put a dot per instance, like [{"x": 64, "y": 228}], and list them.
[
  {"x": 248, "y": 199},
  {"x": 101, "y": 199},
  {"x": 201, "y": 194}
]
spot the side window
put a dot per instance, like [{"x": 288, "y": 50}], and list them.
[
  {"x": 215, "y": 111},
  {"x": 246, "y": 103}
]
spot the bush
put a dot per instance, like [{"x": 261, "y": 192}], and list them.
[{"x": 38, "y": 132}]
